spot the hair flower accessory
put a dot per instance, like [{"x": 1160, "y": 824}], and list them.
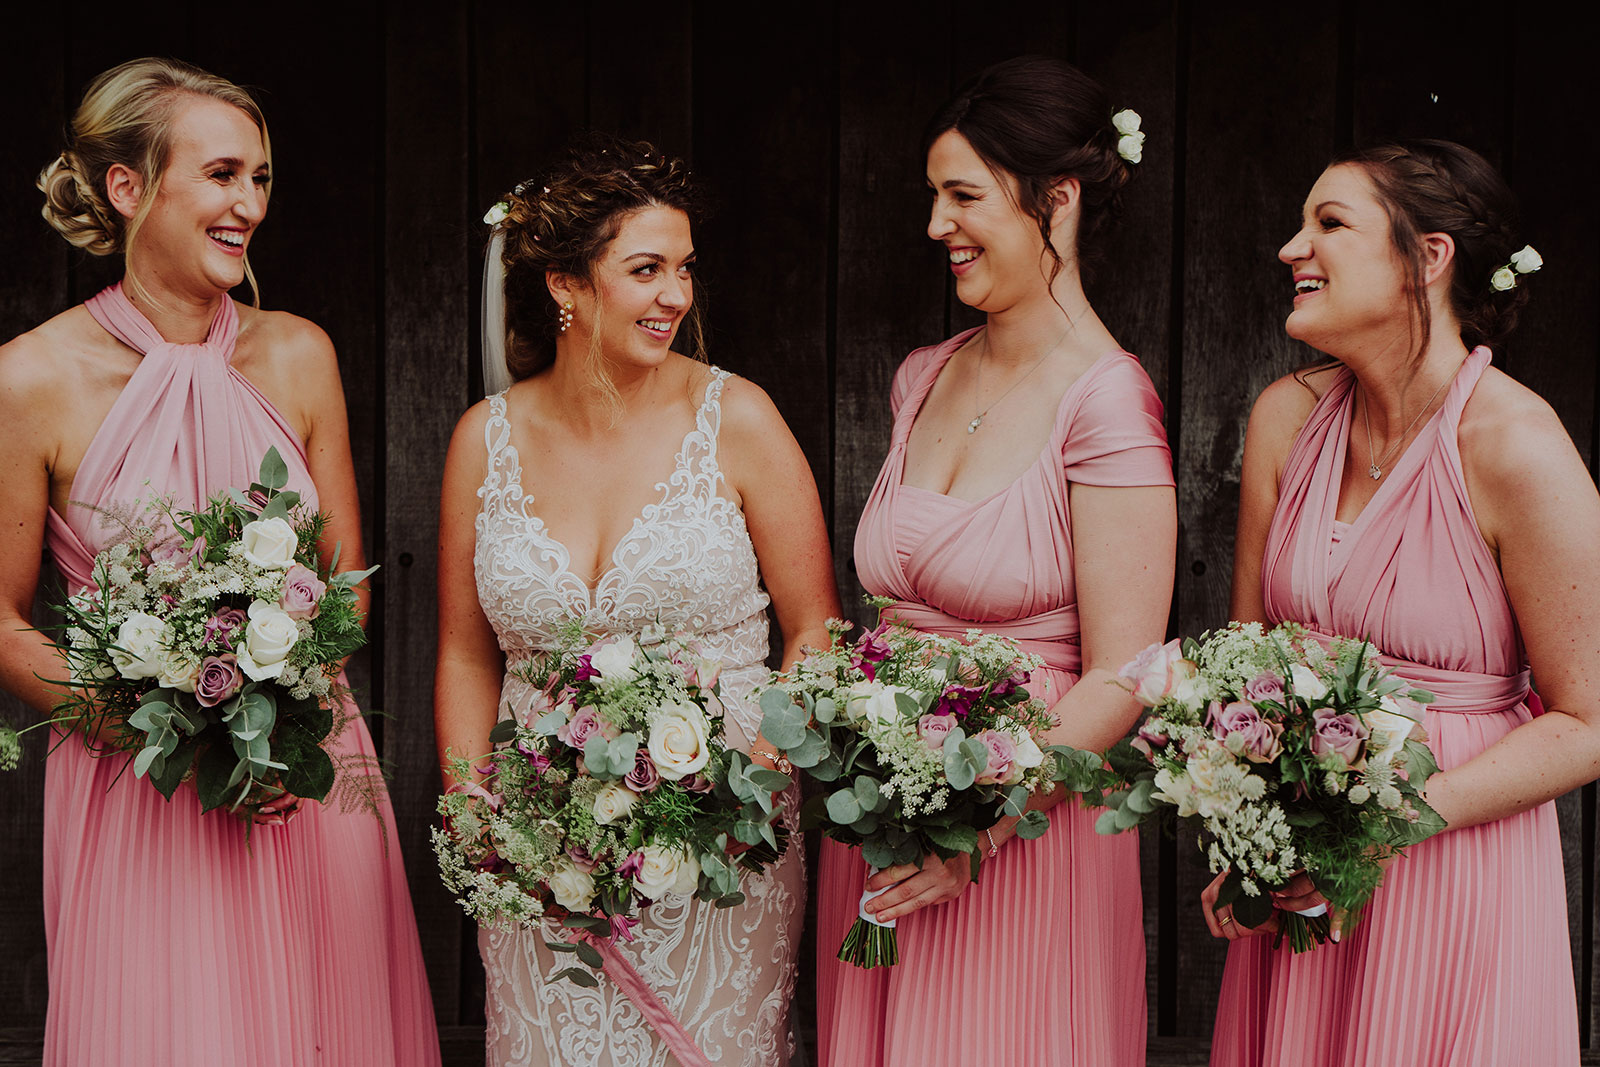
[
  {"x": 497, "y": 214},
  {"x": 1525, "y": 260},
  {"x": 1130, "y": 142}
]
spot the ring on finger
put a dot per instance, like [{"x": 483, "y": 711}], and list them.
[{"x": 1224, "y": 920}]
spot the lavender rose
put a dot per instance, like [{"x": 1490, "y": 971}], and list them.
[
  {"x": 1337, "y": 735},
  {"x": 302, "y": 590},
  {"x": 644, "y": 776},
  {"x": 584, "y": 725},
  {"x": 1002, "y": 752},
  {"x": 1159, "y": 673},
  {"x": 1266, "y": 687},
  {"x": 934, "y": 728},
  {"x": 219, "y": 679},
  {"x": 1240, "y": 726}
]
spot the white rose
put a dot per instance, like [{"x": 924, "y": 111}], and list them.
[
  {"x": 1307, "y": 685},
  {"x": 1126, "y": 121},
  {"x": 572, "y": 888},
  {"x": 138, "y": 649},
  {"x": 614, "y": 659},
  {"x": 1130, "y": 146},
  {"x": 679, "y": 744},
  {"x": 269, "y": 543},
  {"x": 876, "y": 703},
  {"x": 497, "y": 214},
  {"x": 1525, "y": 260},
  {"x": 1028, "y": 754},
  {"x": 665, "y": 870},
  {"x": 1503, "y": 279},
  {"x": 269, "y": 636},
  {"x": 613, "y": 802},
  {"x": 179, "y": 670},
  {"x": 1175, "y": 788},
  {"x": 1390, "y": 727}
]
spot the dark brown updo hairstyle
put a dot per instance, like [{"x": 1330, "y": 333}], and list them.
[
  {"x": 562, "y": 219},
  {"x": 1429, "y": 186},
  {"x": 126, "y": 117},
  {"x": 1041, "y": 120}
]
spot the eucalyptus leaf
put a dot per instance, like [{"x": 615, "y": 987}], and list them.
[
  {"x": 826, "y": 710},
  {"x": 579, "y": 976},
  {"x": 277, "y": 508},
  {"x": 146, "y": 759},
  {"x": 1016, "y": 801},
  {"x": 812, "y": 750},
  {"x": 1139, "y": 797},
  {"x": 771, "y": 781},
  {"x": 877, "y": 852},
  {"x": 867, "y": 793},
  {"x": 908, "y": 851},
  {"x": 783, "y": 722},
  {"x": 1033, "y": 824},
  {"x": 212, "y": 770},
  {"x": 274, "y": 471},
  {"x": 590, "y": 955},
  {"x": 174, "y": 767},
  {"x": 506, "y": 729},
  {"x": 1106, "y": 823},
  {"x": 1127, "y": 817},
  {"x": 828, "y": 769},
  {"x": 729, "y": 900},
  {"x": 560, "y": 946},
  {"x": 546, "y": 726},
  {"x": 953, "y": 838},
  {"x": 843, "y": 807},
  {"x": 907, "y": 705},
  {"x": 597, "y": 759}
]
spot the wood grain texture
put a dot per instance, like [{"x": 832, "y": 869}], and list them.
[{"x": 425, "y": 315}]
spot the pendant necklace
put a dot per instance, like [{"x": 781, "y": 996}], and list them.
[
  {"x": 977, "y": 420},
  {"x": 1376, "y": 462}
]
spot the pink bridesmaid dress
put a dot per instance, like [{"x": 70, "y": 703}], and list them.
[
  {"x": 1043, "y": 961},
  {"x": 1462, "y": 957},
  {"x": 170, "y": 940}
]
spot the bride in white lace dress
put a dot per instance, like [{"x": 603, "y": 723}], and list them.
[{"x": 618, "y": 482}]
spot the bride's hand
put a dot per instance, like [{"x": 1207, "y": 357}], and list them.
[{"x": 1220, "y": 920}]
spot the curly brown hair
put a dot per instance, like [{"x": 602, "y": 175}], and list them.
[
  {"x": 561, "y": 221},
  {"x": 1432, "y": 186}
]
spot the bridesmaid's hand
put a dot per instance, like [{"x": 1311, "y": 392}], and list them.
[
  {"x": 937, "y": 881},
  {"x": 1220, "y": 920}
]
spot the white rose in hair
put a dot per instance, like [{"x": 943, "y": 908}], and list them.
[
  {"x": 1525, "y": 260},
  {"x": 1126, "y": 121},
  {"x": 269, "y": 543},
  {"x": 138, "y": 649},
  {"x": 1130, "y": 146},
  {"x": 1503, "y": 279}
]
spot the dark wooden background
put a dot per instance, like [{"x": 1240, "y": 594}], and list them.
[{"x": 396, "y": 125}]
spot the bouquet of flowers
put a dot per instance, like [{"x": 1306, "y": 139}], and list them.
[
  {"x": 1288, "y": 756},
  {"x": 926, "y": 741},
  {"x": 210, "y": 644},
  {"x": 615, "y": 787}
]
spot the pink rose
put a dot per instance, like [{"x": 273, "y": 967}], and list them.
[
  {"x": 581, "y": 859},
  {"x": 1266, "y": 687},
  {"x": 697, "y": 783},
  {"x": 644, "y": 776},
  {"x": 584, "y": 725},
  {"x": 302, "y": 589},
  {"x": 1261, "y": 739},
  {"x": 1002, "y": 751},
  {"x": 933, "y": 729},
  {"x": 1157, "y": 673},
  {"x": 1150, "y": 740},
  {"x": 219, "y": 679},
  {"x": 1337, "y": 735}
]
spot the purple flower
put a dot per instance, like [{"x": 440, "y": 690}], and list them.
[
  {"x": 585, "y": 671},
  {"x": 581, "y": 858},
  {"x": 1259, "y": 739},
  {"x": 1337, "y": 735},
  {"x": 223, "y": 627},
  {"x": 1264, "y": 688},
  {"x": 871, "y": 651},
  {"x": 697, "y": 783},
  {"x": 219, "y": 679},
  {"x": 644, "y": 776},
  {"x": 538, "y": 759},
  {"x": 584, "y": 725},
  {"x": 302, "y": 590},
  {"x": 957, "y": 700},
  {"x": 630, "y": 866},
  {"x": 621, "y": 925}
]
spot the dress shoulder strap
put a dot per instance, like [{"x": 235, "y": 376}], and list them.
[{"x": 708, "y": 419}]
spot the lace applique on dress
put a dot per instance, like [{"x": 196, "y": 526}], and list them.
[{"x": 685, "y": 564}]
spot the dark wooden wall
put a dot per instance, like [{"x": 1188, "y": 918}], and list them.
[{"x": 396, "y": 125}]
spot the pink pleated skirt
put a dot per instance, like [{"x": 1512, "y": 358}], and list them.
[
  {"x": 1462, "y": 958},
  {"x": 171, "y": 941},
  {"x": 1042, "y": 962}
]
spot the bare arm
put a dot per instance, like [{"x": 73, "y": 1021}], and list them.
[{"x": 468, "y": 673}]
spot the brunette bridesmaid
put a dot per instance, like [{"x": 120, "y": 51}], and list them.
[{"x": 1027, "y": 492}]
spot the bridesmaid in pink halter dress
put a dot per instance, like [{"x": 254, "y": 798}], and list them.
[
  {"x": 1407, "y": 493},
  {"x": 171, "y": 939},
  {"x": 1027, "y": 492}
]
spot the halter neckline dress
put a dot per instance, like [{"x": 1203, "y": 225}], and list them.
[
  {"x": 1462, "y": 956},
  {"x": 170, "y": 939}
]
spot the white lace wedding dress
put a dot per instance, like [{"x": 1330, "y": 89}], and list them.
[{"x": 686, "y": 564}]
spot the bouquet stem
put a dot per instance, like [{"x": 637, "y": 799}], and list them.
[
  {"x": 1304, "y": 932},
  {"x": 869, "y": 945}
]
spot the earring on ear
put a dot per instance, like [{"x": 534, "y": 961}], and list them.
[{"x": 565, "y": 314}]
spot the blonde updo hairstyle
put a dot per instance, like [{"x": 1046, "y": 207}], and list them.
[
  {"x": 126, "y": 117},
  {"x": 562, "y": 220}
]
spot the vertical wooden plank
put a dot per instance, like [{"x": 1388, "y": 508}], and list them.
[
  {"x": 33, "y": 288},
  {"x": 425, "y": 315},
  {"x": 890, "y": 277},
  {"x": 1133, "y": 50},
  {"x": 643, "y": 93},
  {"x": 1253, "y": 149}
]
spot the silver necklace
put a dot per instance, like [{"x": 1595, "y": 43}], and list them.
[
  {"x": 1376, "y": 462},
  {"x": 977, "y": 420}
]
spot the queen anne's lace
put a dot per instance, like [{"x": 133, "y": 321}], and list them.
[{"x": 685, "y": 565}]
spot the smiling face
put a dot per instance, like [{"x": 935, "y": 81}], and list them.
[
  {"x": 1350, "y": 283},
  {"x": 643, "y": 286},
  {"x": 210, "y": 199},
  {"x": 994, "y": 248}
]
